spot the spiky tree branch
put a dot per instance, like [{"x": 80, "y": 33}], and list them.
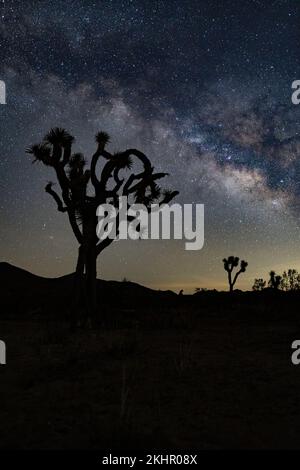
[{"x": 57, "y": 199}]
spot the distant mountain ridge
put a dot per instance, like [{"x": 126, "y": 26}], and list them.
[{"x": 22, "y": 290}]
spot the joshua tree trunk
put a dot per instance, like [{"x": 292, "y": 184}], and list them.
[
  {"x": 85, "y": 287},
  {"x": 87, "y": 269},
  {"x": 78, "y": 295},
  {"x": 91, "y": 283},
  {"x": 230, "y": 282}
]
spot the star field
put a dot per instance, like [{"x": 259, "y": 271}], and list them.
[{"x": 203, "y": 88}]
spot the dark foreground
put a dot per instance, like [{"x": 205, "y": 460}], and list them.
[
  {"x": 201, "y": 373},
  {"x": 220, "y": 385}
]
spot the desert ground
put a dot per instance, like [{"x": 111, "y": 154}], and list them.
[{"x": 198, "y": 374}]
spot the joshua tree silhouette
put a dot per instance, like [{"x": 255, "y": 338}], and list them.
[
  {"x": 75, "y": 200},
  {"x": 229, "y": 264},
  {"x": 259, "y": 284},
  {"x": 290, "y": 280},
  {"x": 274, "y": 281}
]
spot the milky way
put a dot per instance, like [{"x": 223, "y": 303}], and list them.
[{"x": 204, "y": 88}]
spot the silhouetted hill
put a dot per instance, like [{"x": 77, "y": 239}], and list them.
[{"x": 24, "y": 292}]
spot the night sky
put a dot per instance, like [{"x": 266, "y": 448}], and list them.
[{"x": 202, "y": 87}]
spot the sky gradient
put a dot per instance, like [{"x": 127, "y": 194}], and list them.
[{"x": 203, "y": 88}]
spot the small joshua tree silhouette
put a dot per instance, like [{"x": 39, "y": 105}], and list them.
[
  {"x": 229, "y": 264},
  {"x": 274, "y": 281},
  {"x": 290, "y": 280},
  {"x": 80, "y": 205},
  {"x": 259, "y": 284}
]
